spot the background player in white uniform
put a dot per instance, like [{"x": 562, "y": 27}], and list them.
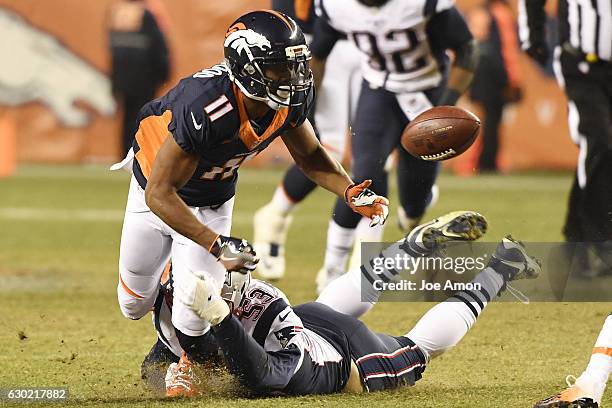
[
  {"x": 406, "y": 71},
  {"x": 334, "y": 107},
  {"x": 312, "y": 348}
]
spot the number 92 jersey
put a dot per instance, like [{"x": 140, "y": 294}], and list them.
[
  {"x": 398, "y": 53},
  {"x": 206, "y": 116}
]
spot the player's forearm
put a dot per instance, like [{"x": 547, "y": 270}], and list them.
[
  {"x": 324, "y": 170},
  {"x": 461, "y": 73},
  {"x": 172, "y": 210},
  {"x": 247, "y": 360}
]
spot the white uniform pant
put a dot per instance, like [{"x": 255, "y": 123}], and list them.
[
  {"x": 337, "y": 98},
  {"x": 147, "y": 244}
]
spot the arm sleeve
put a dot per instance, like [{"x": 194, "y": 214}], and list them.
[
  {"x": 532, "y": 23},
  {"x": 324, "y": 38},
  {"x": 448, "y": 30},
  {"x": 259, "y": 370},
  {"x": 190, "y": 128}
]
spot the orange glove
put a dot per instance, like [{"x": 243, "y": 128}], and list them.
[{"x": 364, "y": 201}]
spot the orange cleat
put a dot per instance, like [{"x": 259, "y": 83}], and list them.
[
  {"x": 571, "y": 397},
  {"x": 180, "y": 381}
]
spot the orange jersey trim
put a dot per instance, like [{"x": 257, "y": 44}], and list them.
[
  {"x": 247, "y": 134},
  {"x": 302, "y": 9},
  {"x": 166, "y": 274},
  {"x": 606, "y": 351},
  {"x": 151, "y": 134},
  {"x": 128, "y": 290}
]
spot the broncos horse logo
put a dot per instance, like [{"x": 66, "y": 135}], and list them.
[
  {"x": 243, "y": 40},
  {"x": 37, "y": 68}
]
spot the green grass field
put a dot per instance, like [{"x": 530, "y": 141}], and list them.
[{"x": 61, "y": 326}]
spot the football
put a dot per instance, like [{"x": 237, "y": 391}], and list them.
[{"x": 441, "y": 133}]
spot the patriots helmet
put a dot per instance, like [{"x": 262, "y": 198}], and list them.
[{"x": 268, "y": 58}]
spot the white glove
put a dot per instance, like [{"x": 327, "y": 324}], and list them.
[{"x": 199, "y": 292}]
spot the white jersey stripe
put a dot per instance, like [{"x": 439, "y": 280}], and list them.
[
  {"x": 216, "y": 103},
  {"x": 226, "y": 108},
  {"x": 605, "y": 29},
  {"x": 588, "y": 27},
  {"x": 524, "y": 31},
  {"x": 574, "y": 23}
]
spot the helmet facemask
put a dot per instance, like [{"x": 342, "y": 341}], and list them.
[
  {"x": 279, "y": 82},
  {"x": 287, "y": 83}
]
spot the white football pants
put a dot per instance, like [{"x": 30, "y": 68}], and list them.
[
  {"x": 337, "y": 98},
  {"x": 147, "y": 244}
]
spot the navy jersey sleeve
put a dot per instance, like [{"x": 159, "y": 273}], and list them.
[
  {"x": 324, "y": 38},
  {"x": 190, "y": 128},
  {"x": 448, "y": 30}
]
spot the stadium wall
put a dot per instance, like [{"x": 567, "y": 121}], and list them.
[{"x": 55, "y": 91}]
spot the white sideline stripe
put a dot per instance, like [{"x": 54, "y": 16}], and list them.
[
  {"x": 60, "y": 214},
  {"x": 67, "y": 214}
]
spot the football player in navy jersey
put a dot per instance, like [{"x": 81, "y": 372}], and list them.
[
  {"x": 320, "y": 347},
  {"x": 336, "y": 101},
  {"x": 187, "y": 151}
]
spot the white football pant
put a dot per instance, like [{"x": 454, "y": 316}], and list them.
[
  {"x": 337, "y": 98},
  {"x": 147, "y": 244}
]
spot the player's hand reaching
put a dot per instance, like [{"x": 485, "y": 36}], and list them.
[
  {"x": 364, "y": 201},
  {"x": 234, "y": 253}
]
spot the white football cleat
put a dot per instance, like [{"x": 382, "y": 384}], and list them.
[{"x": 270, "y": 234}]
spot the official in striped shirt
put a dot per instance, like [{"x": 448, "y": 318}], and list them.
[{"x": 583, "y": 66}]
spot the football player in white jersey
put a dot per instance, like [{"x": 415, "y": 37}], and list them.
[
  {"x": 336, "y": 101},
  {"x": 406, "y": 70},
  {"x": 320, "y": 347}
]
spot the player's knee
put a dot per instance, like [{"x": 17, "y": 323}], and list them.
[{"x": 131, "y": 306}]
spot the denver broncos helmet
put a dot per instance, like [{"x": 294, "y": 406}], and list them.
[{"x": 268, "y": 59}]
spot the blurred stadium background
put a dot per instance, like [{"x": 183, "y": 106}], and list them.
[{"x": 534, "y": 134}]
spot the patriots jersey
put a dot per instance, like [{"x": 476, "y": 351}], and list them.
[
  {"x": 206, "y": 116},
  {"x": 395, "y": 39},
  {"x": 267, "y": 316}
]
